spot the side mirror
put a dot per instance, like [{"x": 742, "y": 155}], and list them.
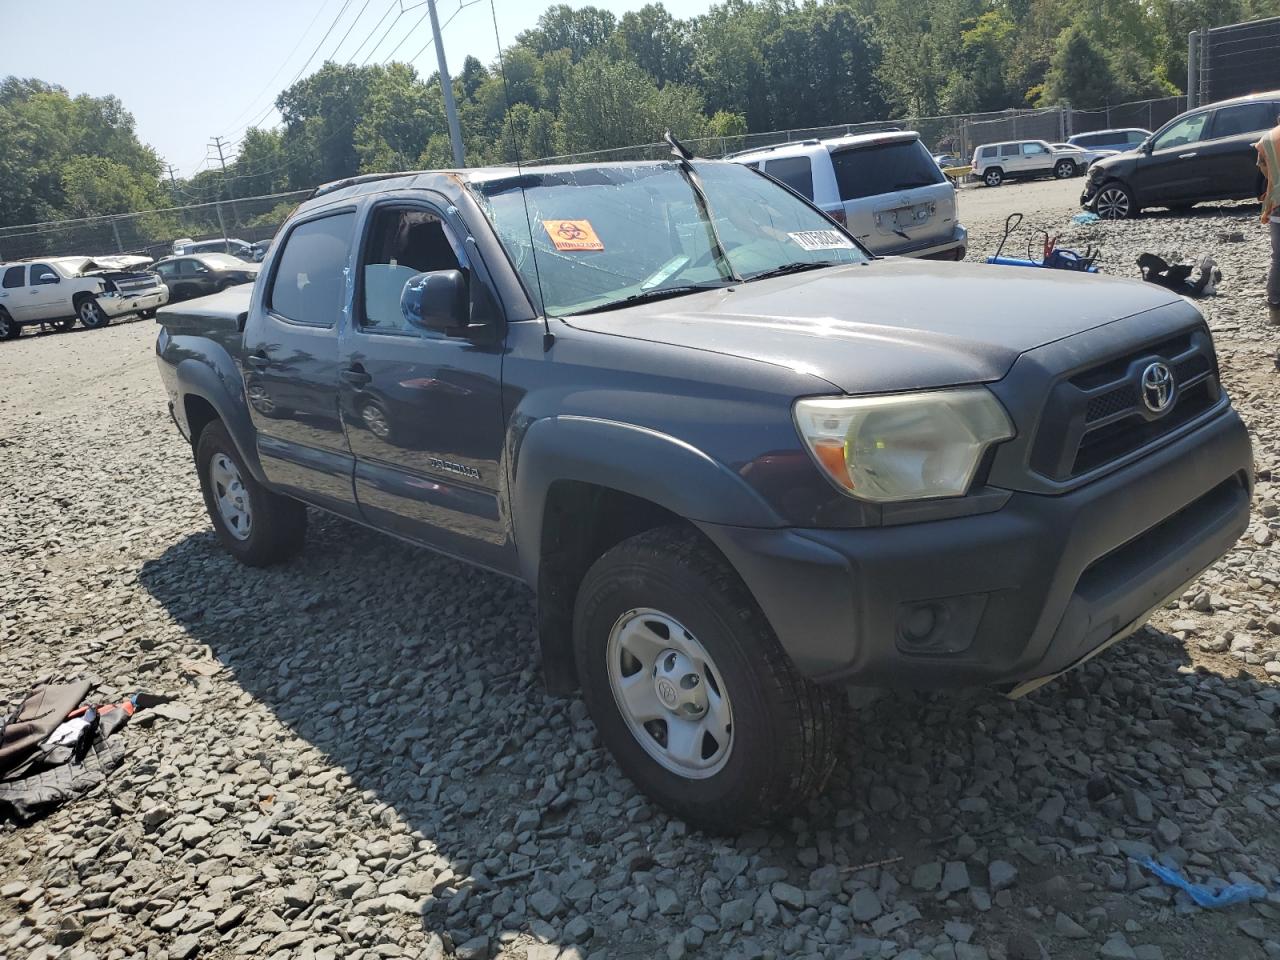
[
  {"x": 438, "y": 300},
  {"x": 48, "y": 278},
  {"x": 1147, "y": 147}
]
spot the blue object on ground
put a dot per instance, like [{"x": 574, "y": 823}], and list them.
[
  {"x": 1232, "y": 894},
  {"x": 1085, "y": 217}
]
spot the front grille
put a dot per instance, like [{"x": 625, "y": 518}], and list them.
[{"x": 1097, "y": 416}]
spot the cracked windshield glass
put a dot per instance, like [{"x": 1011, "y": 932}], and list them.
[{"x": 601, "y": 237}]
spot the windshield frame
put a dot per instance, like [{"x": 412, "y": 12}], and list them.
[{"x": 521, "y": 178}]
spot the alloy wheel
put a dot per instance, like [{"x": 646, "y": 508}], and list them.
[
  {"x": 670, "y": 693},
  {"x": 1113, "y": 204},
  {"x": 90, "y": 313}
]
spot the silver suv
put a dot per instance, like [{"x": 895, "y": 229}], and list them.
[{"x": 885, "y": 188}]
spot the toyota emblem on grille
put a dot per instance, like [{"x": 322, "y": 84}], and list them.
[{"x": 1157, "y": 387}]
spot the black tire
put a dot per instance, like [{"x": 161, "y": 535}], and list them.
[
  {"x": 1115, "y": 201},
  {"x": 993, "y": 177},
  {"x": 1064, "y": 169},
  {"x": 91, "y": 314},
  {"x": 147, "y": 314},
  {"x": 279, "y": 524},
  {"x": 785, "y": 729},
  {"x": 9, "y": 329}
]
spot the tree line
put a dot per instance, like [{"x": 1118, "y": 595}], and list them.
[{"x": 584, "y": 80}]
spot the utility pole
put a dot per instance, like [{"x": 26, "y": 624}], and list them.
[
  {"x": 217, "y": 143},
  {"x": 446, "y": 85},
  {"x": 173, "y": 181}
]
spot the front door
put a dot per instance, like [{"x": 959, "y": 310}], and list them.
[
  {"x": 1036, "y": 158},
  {"x": 290, "y": 364},
  {"x": 46, "y": 294},
  {"x": 423, "y": 411},
  {"x": 1170, "y": 173}
]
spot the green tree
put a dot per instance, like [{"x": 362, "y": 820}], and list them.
[
  {"x": 658, "y": 43},
  {"x": 582, "y": 31},
  {"x": 1079, "y": 72},
  {"x": 982, "y": 83},
  {"x": 610, "y": 103}
]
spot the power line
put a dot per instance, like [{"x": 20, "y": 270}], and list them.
[{"x": 386, "y": 13}]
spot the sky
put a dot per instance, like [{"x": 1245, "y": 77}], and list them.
[{"x": 189, "y": 73}]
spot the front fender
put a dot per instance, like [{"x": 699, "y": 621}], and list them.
[
  {"x": 206, "y": 370},
  {"x": 636, "y": 460}
]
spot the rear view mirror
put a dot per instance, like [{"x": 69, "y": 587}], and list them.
[{"x": 438, "y": 300}]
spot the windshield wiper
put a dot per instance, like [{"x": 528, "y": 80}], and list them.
[
  {"x": 798, "y": 267},
  {"x": 662, "y": 293}
]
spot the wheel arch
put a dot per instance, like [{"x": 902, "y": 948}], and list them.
[
  {"x": 580, "y": 486},
  {"x": 205, "y": 397}
]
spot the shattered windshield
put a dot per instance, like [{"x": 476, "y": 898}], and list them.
[{"x": 602, "y": 236}]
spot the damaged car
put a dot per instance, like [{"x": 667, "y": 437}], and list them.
[{"x": 58, "y": 291}]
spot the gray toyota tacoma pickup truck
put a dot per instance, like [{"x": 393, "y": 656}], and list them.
[{"x": 744, "y": 464}]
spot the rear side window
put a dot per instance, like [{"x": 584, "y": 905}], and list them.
[
  {"x": 884, "y": 168},
  {"x": 1088, "y": 140},
  {"x": 1010, "y": 150},
  {"x": 988, "y": 153},
  {"x": 795, "y": 172},
  {"x": 309, "y": 285},
  {"x": 1242, "y": 119},
  {"x": 13, "y": 277}
]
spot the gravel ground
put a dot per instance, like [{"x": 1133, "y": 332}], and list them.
[{"x": 362, "y": 762}]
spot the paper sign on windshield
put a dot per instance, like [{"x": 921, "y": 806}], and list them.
[
  {"x": 572, "y": 234},
  {"x": 822, "y": 240}
]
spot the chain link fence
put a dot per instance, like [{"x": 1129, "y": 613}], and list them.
[
  {"x": 1148, "y": 114},
  {"x": 1233, "y": 60},
  {"x": 150, "y": 233}
]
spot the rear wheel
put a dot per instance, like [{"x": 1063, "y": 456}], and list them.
[
  {"x": 9, "y": 329},
  {"x": 993, "y": 177},
  {"x": 256, "y": 526},
  {"x": 1115, "y": 202},
  {"x": 1064, "y": 169},
  {"x": 91, "y": 313},
  {"x": 690, "y": 689}
]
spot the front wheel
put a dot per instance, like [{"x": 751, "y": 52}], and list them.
[
  {"x": 1065, "y": 169},
  {"x": 9, "y": 329},
  {"x": 91, "y": 314},
  {"x": 256, "y": 526},
  {"x": 1115, "y": 202},
  {"x": 690, "y": 689},
  {"x": 993, "y": 177}
]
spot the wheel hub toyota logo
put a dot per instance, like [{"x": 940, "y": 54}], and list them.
[
  {"x": 1157, "y": 387},
  {"x": 667, "y": 692}
]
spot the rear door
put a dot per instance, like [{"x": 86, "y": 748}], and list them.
[
  {"x": 13, "y": 290},
  {"x": 1011, "y": 159},
  {"x": 1167, "y": 175},
  {"x": 290, "y": 363},
  {"x": 1228, "y": 154},
  {"x": 422, "y": 410},
  {"x": 896, "y": 198}
]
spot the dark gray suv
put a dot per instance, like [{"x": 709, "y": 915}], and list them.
[
  {"x": 742, "y": 463},
  {"x": 1203, "y": 154}
]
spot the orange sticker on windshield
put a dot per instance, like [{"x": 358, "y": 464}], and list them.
[{"x": 572, "y": 234}]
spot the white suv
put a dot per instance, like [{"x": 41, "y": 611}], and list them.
[
  {"x": 994, "y": 163},
  {"x": 884, "y": 187},
  {"x": 60, "y": 290}
]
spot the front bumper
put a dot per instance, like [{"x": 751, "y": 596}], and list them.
[
  {"x": 1015, "y": 595},
  {"x": 116, "y": 304},
  {"x": 1089, "y": 195}
]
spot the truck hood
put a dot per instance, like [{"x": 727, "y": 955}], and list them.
[{"x": 889, "y": 325}]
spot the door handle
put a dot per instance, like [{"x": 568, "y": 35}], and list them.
[
  {"x": 259, "y": 361},
  {"x": 1186, "y": 156},
  {"x": 356, "y": 376}
]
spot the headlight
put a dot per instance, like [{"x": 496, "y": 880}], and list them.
[{"x": 907, "y": 446}]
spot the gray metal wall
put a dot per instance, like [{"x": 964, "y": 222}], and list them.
[{"x": 1234, "y": 60}]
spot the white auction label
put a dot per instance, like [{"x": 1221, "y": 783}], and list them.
[{"x": 822, "y": 240}]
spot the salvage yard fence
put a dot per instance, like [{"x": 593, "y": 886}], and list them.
[
  {"x": 1233, "y": 60},
  {"x": 152, "y": 232}
]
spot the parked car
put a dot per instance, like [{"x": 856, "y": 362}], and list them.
[
  {"x": 994, "y": 163},
  {"x": 236, "y": 248},
  {"x": 884, "y": 187},
  {"x": 945, "y": 160},
  {"x": 59, "y": 290},
  {"x": 1204, "y": 154},
  {"x": 1090, "y": 156},
  {"x": 742, "y": 462},
  {"x": 202, "y": 274},
  {"x": 1119, "y": 139},
  {"x": 258, "y": 251}
]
